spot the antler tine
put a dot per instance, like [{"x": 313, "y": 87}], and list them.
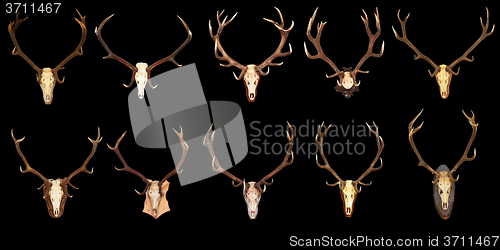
[
  {"x": 317, "y": 45},
  {"x": 113, "y": 55},
  {"x": 185, "y": 149},
  {"x": 484, "y": 34},
  {"x": 78, "y": 51},
  {"x": 12, "y": 28},
  {"x": 171, "y": 58},
  {"x": 28, "y": 167},
  {"x": 404, "y": 39},
  {"x": 372, "y": 38},
  {"x": 412, "y": 131},
  {"x": 218, "y": 45},
  {"x": 286, "y": 162},
  {"x": 215, "y": 163},
  {"x": 380, "y": 145},
  {"x": 83, "y": 168},
  {"x": 126, "y": 166},
  {"x": 284, "y": 35},
  {"x": 320, "y": 146},
  {"x": 474, "y": 125}
]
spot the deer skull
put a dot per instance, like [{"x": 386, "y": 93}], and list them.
[
  {"x": 251, "y": 80},
  {"x": 141, "y": 78},
  {"x": 47, "y": 83},
  {"x": 443, "y": 78},
  {"x": 156, "y": 202},
  {"x": 252, "y": 196},
  {"x": 348, "y": 192}
]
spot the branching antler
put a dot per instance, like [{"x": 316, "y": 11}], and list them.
[
  {"x": 126, "y": 167},
  {"x": 411, "y": 131},
  {"x": 28, "y": 167},
  {"x": 208, "y": 142},
  {"x": 284, "y": 35},
  {"x": 290, "y": 136},
  {"x": 185, "y": 149},
  {"x": 474, "y": 125},
  {"x": 218, "y": 47},
  {"x": 404, "y": 39},
  {"x": 83, "y": 168},
  {"x": 484, "y": 34},
  {"x": 326, "y": 166},
  {"x": 380, "y": 145}
]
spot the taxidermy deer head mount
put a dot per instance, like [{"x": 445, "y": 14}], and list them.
[
  {"x": 444, "y": 182},
  {"x": 252, "y": 191},
  {"x": 347, "y": 85},
  {"x": 55, "y": 192},
  {"x": 250, "y": 73},
  {"x": 46, "y": 77},
  {"x": 156, "y": 203},
  {"x": 141, "y": 72},
  {"x": 443, "y": 73},
  {"x": 349, "y": 189}
]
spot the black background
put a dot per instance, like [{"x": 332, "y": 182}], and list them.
[{"x": 211, "y": 212}]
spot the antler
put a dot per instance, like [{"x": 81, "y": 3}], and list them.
[
  {"x": 380, "y": 145},
  {"x": 113, "y": 55},
  {"x": 284, "y": 163},
  {"x": 208, "y": 142},
  {"x": 284, "y": 35},
  {"x": 125, "y": 165},
  {"x": 185, "y": 149},
  {"x": 171, "y": 58},
  {"x": 78, "y": 51},
  {"x": 28, "y": 167},
  {"x": 419, "y": 54},
  {"x": 17, "y": 49},
  {"x": 412, "y": 131},
  {"x": 327, "y": 165},
  {"x": 372, "y": 38},
  {"x": 218, "y": 47},
  {"x": 474, "y": 125},
  {"x": 484, "y": 34},
  {"x": 317, "y": 45},
  {"x": 83, "y": 168}
]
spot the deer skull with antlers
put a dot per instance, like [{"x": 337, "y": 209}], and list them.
[
  {"x": 444, "y": 182},
  {"x": 250, "y": 73},
  {"x": 252, "y": 191},
  {"x": 443, "y": 72},
  {"x": 55, "y": 192},
  {"x": 156, "y": 202},
  {"x": 141, "y": 72},
  {"x": 349, "y": 189},
  {"x": 347, "y": 85},
  {"x": 46, "y": 77}
]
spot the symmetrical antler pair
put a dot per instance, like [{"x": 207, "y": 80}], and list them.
[
  {"x": 347, "y": 85},
  {"x": 443, "y": 73},
  {"x": 252, "y": 191},
  {"x": 46, "y": 77},
  {"x": 55, "y": 192},
  {"x": 156, "y": 203},
  {"x": 250, "y": 73},
  {"x": 141, "y": 72},
  {"x": 444, "y": 182},
  {"x": 349, "y": 189}
]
